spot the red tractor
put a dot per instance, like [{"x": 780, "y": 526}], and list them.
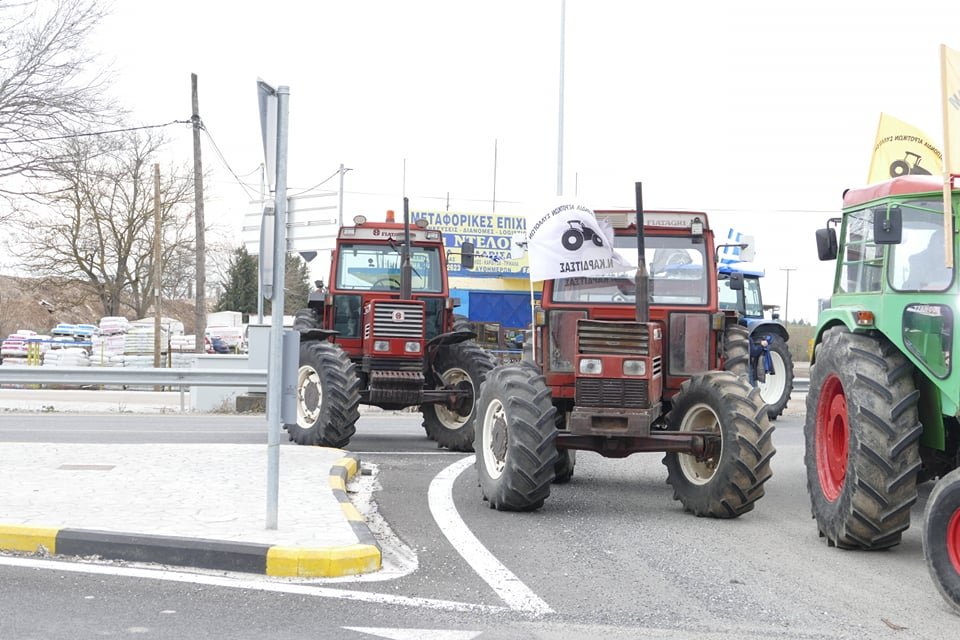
[
  {"x": 383, "y": 334},
  {"x": 631, "y": 364}
]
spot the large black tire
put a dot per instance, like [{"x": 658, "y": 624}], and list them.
[
  {"x": 566, "y": 458},
  {"x": 463, "y": 365},
  {"x": 328, "y": 396},
  {"x": 306, "y": 319},
  {"x": 778, "y": 385},
  {"x": 862, "y": 440},
  {"x": 941, "y": 537},
  {"x": 729, "y": 484},
  {"x": 515, "y": 439},
  {"x": 461, "y": 323},
  {"x": 563, "y": 470},
  {"x": 736, "y": 350}
]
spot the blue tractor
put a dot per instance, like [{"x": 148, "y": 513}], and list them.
[{"x": 762, "y": 343}]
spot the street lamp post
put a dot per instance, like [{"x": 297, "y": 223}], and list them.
[{"x": 786, "y": 303}]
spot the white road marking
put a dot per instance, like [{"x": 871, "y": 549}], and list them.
[
  {"x": 417, "y": 634},
  {"x": 440, "y": 497},
  {"x": 235, "y": 582}
]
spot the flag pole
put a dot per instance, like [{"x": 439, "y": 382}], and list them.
[
  {"x": 533, "y": 321},
  {"x": 947, "y": 176}
]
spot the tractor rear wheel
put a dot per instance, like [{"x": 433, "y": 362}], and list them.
[
  {"x": 515, "y": 439},
  {"x": 328, "y": 396},
  {"x": 728, "y": 483},
  {"x": 862, "y": 440},
  {"x": 306, "y": 319},
  {"x": 778, "y": 384},
  {"x": 941, "y": 537},
  {"x": 461, "y": 367},
  {"x": 563, "y": 470},
  {"x": 736, "y": 350}
]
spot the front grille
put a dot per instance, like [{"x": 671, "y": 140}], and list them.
[
  {"x": 613, "y": 393},
  {"x": 397, "y": 320},
  {"x": 368, "y": 364},
  {"x": 614, "y": 338}
]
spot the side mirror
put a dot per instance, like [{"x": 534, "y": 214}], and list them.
[
  {"x": 735, "y": 281},
  {"x": 887, "y": 225},
  {"x": 827, "y": 243},
  {"x": 467, "y": 254}
]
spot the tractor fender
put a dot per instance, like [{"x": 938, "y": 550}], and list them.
[{"x": 768, "y": 326}]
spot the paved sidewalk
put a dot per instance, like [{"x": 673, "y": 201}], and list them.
[{"x": 189, "y": 505}]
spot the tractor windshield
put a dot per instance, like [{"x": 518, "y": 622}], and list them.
[
  {"x": 746, "y": 302},
  {"x": 677, "y": 275},
  {"x": 376, "y": 267},
  {"x": 918, "y": 262}
]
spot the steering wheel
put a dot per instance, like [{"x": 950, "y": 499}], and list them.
[{"x": 391, "y": 283}]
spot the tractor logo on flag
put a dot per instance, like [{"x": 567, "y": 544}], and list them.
[{"x": 574, "y": 237}]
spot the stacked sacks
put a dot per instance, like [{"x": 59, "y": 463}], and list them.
[
  {"x": 108, "y": 341},
  {"x": 67, "y": 357}
]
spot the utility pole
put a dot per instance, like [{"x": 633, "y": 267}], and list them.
[
  {"x": 200, "y": 317},
  {"x": 494, "y": 175},
  {"x": 157, "y": 232},
  {"x": 786, "y": 303},
  {"x": 343, "y": 170},
  {"x": 563, "y": 34}
]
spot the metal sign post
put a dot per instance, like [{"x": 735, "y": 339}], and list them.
[{"x": 275, "y": 358}]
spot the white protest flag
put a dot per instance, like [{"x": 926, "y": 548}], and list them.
[{"x": 568, "y": 241}]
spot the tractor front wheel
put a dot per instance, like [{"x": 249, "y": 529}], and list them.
[
  {"x": 941, "y": 537},
  {"x": 728, "y": 481},
  {"x": 460, "y": 367},
  {"x": 861, "y": 436},
  {"x": 515, "y": 439},
  {"x": 777, "y": 384},
  {"x": 328, "y": 396}
]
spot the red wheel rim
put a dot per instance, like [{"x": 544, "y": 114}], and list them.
[
  {"x": 953, "y": 540},
  {"x": 832, "y": 438}
]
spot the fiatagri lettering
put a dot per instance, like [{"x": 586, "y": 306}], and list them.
[{"x": 576, "y": 266}]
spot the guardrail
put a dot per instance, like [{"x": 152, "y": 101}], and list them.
[
  {"x": 134, "y": 376},
  {"x": 129, "y": 376}
]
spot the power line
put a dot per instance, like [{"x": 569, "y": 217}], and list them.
[
  {"x": 319, "y": 184},
  {"x": 224, "y": 161},
  {"x": 96, "y": 133}
]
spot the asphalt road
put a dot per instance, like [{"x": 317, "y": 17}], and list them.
[{"x": 609, "y": 554}]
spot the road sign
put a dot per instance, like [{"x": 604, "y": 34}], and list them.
[{"x": 312, "y": 224}]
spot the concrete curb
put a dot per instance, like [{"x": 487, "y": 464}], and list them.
[{"x": 272, "y": 560}]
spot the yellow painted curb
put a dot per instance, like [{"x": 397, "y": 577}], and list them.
[
  {"x": 332, "y": 562},
  {"x": 351, "y": 512},
  {"x": 24, "y": 538}
]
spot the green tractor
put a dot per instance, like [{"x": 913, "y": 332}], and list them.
[{"x": 884, "y": 399}]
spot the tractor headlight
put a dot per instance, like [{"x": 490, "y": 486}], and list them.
[
  {"x": 412, "y": 347},
  {"x": 591, "y": 366},
  {"x": 381, "y": 345},
  {"x": 634, "y": 367}
]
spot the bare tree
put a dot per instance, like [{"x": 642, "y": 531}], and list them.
[
  {"x": 50, "y": 86},
  {"x": 98, "y": 228}
]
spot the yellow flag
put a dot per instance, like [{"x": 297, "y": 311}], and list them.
[
  {"x": 950, "y": 70},
  {"x": 902, "y": 149}
]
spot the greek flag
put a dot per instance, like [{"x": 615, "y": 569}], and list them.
[{"x": 731, "y": 255}]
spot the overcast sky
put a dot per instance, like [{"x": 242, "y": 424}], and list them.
[{"x": 759, "y": 113}]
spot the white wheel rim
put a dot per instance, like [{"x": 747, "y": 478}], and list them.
[
  {"x": 449, "y": 418},
  {"x": 700, "y": 418},
  {"x": 308, "y": 383},
  {"x": 495, "y": 417},
  {"x": 771, "y": 389}
]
